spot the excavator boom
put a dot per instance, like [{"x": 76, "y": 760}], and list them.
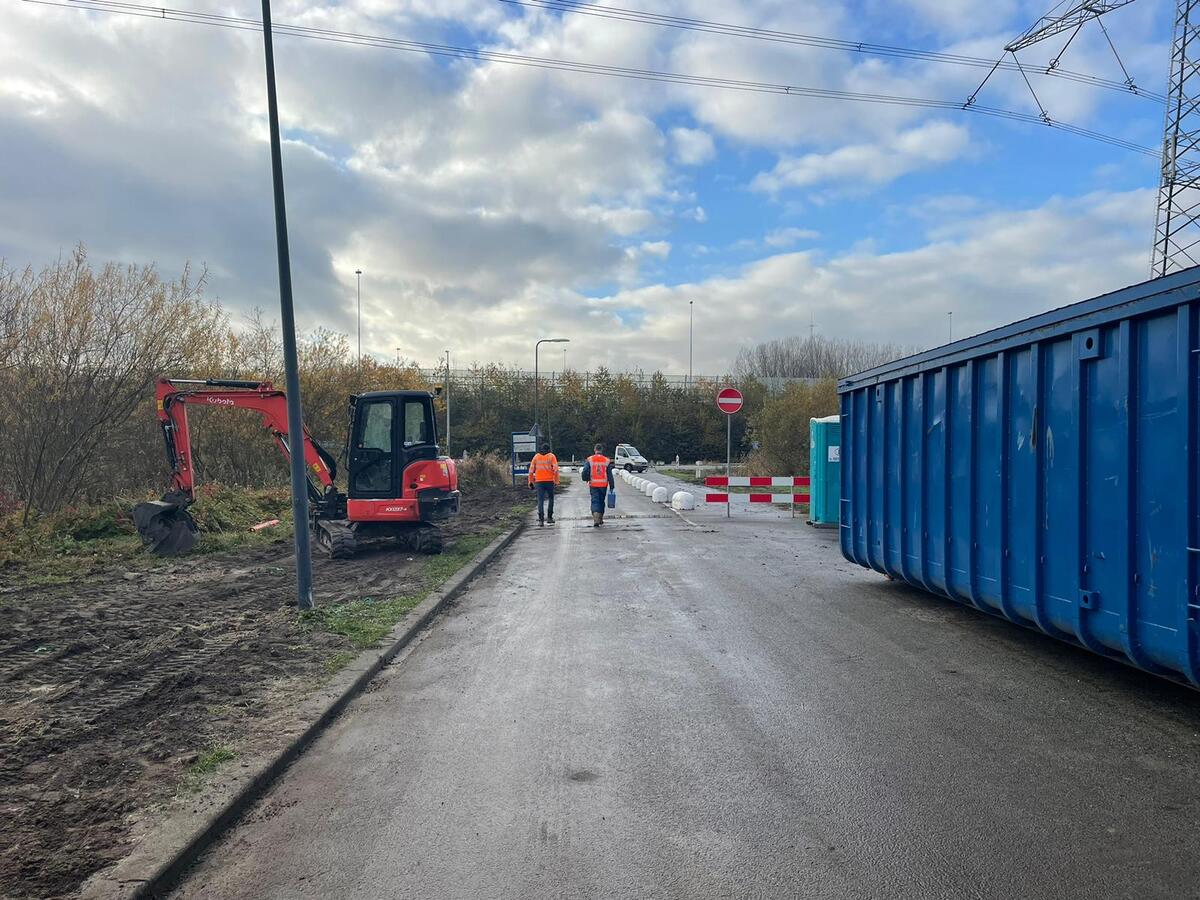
[{"x": 165, "y": 525}]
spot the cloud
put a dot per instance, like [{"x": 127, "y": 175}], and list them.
[
  {"x": 484, "y": 202},
  {"x": 989, "y": 271},
  {"x": 692, "y": 146},
  {"x": 925, "y": 146},
  {"x": 786, "y": 237}
]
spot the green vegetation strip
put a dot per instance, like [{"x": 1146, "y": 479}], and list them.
[
  {"x": 367, "y": 621},
  {"x": 88, "y": 539}
]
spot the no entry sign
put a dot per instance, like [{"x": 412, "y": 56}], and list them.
[{"x": 729, "y": 400}]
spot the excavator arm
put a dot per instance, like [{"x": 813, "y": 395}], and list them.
[{"x": 165, "y": 525}]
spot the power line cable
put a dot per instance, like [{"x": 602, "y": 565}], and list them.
[
  {"x": 826, "y": 43},
  {"x": 563, "y": 65}
]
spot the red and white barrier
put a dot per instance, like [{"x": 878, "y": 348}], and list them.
[{"x": 752, "y": 481}]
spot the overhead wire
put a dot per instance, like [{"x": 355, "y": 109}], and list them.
[
  {"x": 517, "y": 59},
  {"x": 827, "y": 43}
]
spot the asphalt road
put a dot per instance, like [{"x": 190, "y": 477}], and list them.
[{"x": 726, "y": 708}]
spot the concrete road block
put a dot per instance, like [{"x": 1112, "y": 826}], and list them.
[
  {"x": 683, "y": 500},
  {"x": 660, "y": 495}
]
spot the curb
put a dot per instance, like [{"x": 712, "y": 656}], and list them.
[{"x": 166, "y": 851}]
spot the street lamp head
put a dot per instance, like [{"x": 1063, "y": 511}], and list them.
[{"x": 358, "y": 271}]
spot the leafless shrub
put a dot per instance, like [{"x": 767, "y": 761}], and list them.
[
  {"x": 484, "y": 470},
  {"x": 89, "y": 346},
  {"x": 813, "y": 357}
]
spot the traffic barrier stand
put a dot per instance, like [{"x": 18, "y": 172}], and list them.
[{"x": 792, "y": 498}]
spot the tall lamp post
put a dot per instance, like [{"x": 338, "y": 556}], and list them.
[
  {"x": 447, "y": 402},
  {"x": 287, "y": 317},
  {"x": 536, "y": 430},
  {"x": 689, "y": 384},
  {"x": 358, "y": 275}
]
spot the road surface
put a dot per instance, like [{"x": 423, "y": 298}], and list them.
[{"x": 726, "y": 708}]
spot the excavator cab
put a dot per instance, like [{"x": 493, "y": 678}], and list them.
[
  {"x": 398, "y": 485},
  {"x": 389, "y": 430}
]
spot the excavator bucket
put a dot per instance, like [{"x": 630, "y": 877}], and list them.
[{"x": 165, "y": 526}]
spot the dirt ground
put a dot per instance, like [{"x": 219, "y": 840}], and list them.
[{"x": 116, "y": 691}]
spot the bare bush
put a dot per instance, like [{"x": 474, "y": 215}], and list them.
[
  {"x": 90, "y": 344},
  {"x": 781, "y": 427},
  {"x": 484, "y": 470},
  {"x": 813, "y": 357}
]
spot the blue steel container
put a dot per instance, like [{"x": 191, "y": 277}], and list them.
[
  {"x": 824, "y": 470},
  {"x": 1045, "y": 472}
]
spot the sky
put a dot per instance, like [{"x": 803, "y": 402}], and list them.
[{"x": 490, "y": 205}]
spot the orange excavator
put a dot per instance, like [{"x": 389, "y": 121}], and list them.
[{"x": 399, "y": 486}]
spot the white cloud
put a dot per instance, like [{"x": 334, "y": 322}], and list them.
[
  {"x": 931, "y": 144},
  {"x": 786, "y": 237},
  {"x": 692, "y": 146},
  {"x": 483, "y": 201}
]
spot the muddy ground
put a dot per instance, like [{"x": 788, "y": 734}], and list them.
[{"x": 118, "y": 691}]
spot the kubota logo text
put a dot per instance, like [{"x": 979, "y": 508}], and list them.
[{"x": 219, "y": 401}]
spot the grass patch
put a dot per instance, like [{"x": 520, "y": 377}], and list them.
[
  {"x": 367, "y": 621},
  {"x": 687, "y": 475},
  {"x": 208, "y": 763}
]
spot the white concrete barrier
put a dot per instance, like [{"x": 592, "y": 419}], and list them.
[
  {"x": 683, "y": 500},
  {"x": 660, "y": 495},
  {"x": 649, "y": 488}
]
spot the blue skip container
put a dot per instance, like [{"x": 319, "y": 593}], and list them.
[{"x": 1046, "y": 472}]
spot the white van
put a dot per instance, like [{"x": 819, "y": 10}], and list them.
[{"x": 629, "y": 459}]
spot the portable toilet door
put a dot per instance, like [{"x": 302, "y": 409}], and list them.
[{"x": 825, "y": 470}]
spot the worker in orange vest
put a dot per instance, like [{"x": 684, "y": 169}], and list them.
[
  {"x": 599, "y": 476},
  {"x": 543, "y": 475}
]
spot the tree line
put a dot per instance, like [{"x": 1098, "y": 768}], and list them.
[{"x": 81, "y": 347}]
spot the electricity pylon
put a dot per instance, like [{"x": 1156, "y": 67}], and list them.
[{"x": 1177, "y": 227}]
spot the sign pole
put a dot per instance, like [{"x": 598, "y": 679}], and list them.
[
  {"x": 728, "y": 445},
  {"x": 729, "y": 401}
]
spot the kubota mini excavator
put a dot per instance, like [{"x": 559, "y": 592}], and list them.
[{"x": 398, "y": 483}]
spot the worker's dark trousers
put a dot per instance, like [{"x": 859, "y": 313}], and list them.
[{"x": 545, "y": 490}]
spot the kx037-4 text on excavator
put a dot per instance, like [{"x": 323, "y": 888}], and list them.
[{"x": 398, "y": 484}]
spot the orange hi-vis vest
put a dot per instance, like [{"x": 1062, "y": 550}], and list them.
[
  {"x": 543, "y": 467},
  {"x": 599, "y": 466}
]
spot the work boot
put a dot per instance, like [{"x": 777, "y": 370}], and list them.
[
  {"x": 550, "y": 521},
  {"x": 541, "y": 523},
  {"x": 595, "y": 520}
]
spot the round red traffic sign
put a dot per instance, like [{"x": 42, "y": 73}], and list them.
[{"x": 729, "y": 400}]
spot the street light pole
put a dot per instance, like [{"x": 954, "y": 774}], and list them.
[
  {"x": 536, "y": 430},
  {"x": 291, "y": 366},
  {"x": 690, "y": 320},
  {"x": 447, "y": 402},
  {"x": 358, "y": 275}
]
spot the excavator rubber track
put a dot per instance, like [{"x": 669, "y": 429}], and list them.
[
  {"x": 336, "y": 539},
  {"x": 429, "y": 540}
]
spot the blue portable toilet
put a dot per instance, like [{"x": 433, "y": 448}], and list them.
[{"x": 824, "y": 470}]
